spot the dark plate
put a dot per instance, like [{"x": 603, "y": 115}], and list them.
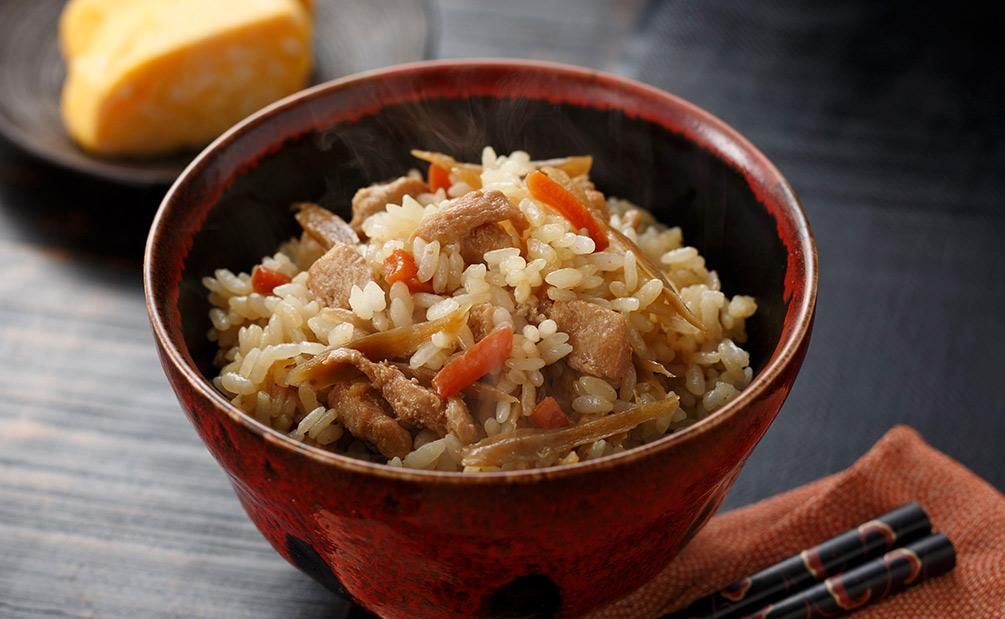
[{"x": 349, "y": 36}]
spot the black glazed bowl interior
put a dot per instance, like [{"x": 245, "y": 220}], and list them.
[{"x": 682, "y": 183}]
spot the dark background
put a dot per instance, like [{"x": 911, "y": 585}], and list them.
[{"x": 885, "y": 117}]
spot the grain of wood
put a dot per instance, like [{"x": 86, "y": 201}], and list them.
[{"x": 111, "y": 507}]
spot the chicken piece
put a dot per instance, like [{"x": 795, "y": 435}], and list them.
[
  {"x": 584, "y": 189},
  {"x": 324, "y": 226},
  {"x": 599, "y": 338},
  {"x": 409, "y": 400},
  {"x": 482, "y": 239},
  {"x": 530, "y": 310},
  {"x": 468, "y": 212},
  {"x": 373, "y": 199},
  {"x": 598, "y": 204},
  {"x": 560, "y": 383},
  {"x": 638, "y": 219},
  {"x": 362, "y": 412},
  {"x": 332, "y": 276},
  {"x": 477, "y": 392},
  {"x": 459, "y": 421},
  {"x": 480, "y": 320}
]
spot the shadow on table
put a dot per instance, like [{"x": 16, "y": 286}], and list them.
[
  {"x": 95, "y": 222},
  {"x": 317, "y": 602}
]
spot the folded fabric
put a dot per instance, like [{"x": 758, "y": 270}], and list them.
[{"x": 901, "y": 467}]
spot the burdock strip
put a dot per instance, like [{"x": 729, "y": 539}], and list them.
[{"x": 796, "y": 573}]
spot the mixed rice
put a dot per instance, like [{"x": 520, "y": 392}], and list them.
[{"x": 531, "y": 322}]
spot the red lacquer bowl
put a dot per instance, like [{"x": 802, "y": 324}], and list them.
[{"x": 556, "y": 541}]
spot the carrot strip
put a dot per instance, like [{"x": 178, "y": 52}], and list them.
[
  {"x": 547, "y": 414},
  {"x": 469, "y": 173},
  {"x": 562, "y": 200},
  {"x": 400, "y": 267},
  {"x": 264, "y": 280},
  {"x": 415, "y": 285},
  {"x": 486, "y": 355},
  {"x": 439, "y": 178}
]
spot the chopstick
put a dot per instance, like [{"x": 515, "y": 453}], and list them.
[
  {"x": 801, "y": 571},
  {"x": 868, "y": 583}
]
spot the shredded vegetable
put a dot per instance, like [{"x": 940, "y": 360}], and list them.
[
  {"x": 400, "y": 267},
  {"x": 391, "y": 344},
  {"x": 477, "y": 391},
  {"x": 488, "y": 354},
  {"x": 553, "y": 194},
  {"x": 652, "y": 271},
  {"x": 465, "y": 172},
  {"x": 439, "y": 178},
  {"x": 549, "y": 415},
  {"x": 264, "y": 280},
  {"x": 324, "y": 226},
  {"x": 576, "y": 165},
  {"x": 402, "y": 341},
  {"x": 530, "y": 447}
]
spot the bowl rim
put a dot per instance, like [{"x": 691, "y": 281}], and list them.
[{"x": 726, "y": 144}]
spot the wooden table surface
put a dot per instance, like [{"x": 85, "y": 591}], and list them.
[{"x": 888, "y": 122}]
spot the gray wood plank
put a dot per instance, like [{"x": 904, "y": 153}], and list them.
[{"x": 887, "y": 120}]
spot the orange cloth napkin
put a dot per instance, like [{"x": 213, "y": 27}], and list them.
[{"x": 901, "y": 467}]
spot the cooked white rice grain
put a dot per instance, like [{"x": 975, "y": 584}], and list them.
[
  {"x": 368, "y": 300},
  {"x": 442, "y": 308},
  {"x": 591, "y": 385},
  {"x": 424, "y": 300},
  {"x": 235, "y": 383},
  {"x": 565, "y": 278},
  {"x": 631, "y": 272},
  {"x": 425, "y": 457},
  {"x": 742, "y": 306},
  {"x": 597, "y": 449},
  {"x": 583, "y": 245},
  {"x": 321, "y": 423},
  {"x": 592, "y": 404},
  {"x": 427, "y": 259},
  {"x": 307, "y": 423},
  {"x": 627, "y": 304},
  {"x": 649, "y": 292},
  {"x": 558, "y": 294},
  {"x": 330, "y": 434},
  {"x": 694, "y": 380},
  {"x": 719, "y": 396},
  {"x": 424, "y": 355},
  {"x": 681, "y": 255},
  {"x": 526, "y": 365},
  {"x": 496, "y": 256}
]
